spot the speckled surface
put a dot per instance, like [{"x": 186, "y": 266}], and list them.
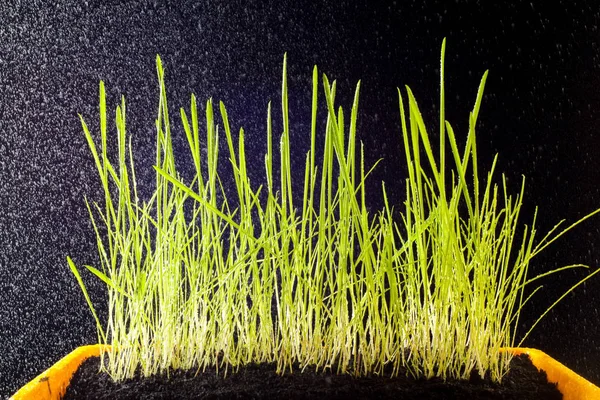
[{"x": 541, "y": 112}]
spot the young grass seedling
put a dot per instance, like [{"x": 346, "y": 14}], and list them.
[{"x": 265, "y": 274}]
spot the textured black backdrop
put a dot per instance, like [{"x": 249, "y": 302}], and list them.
[{"x": 541, "y": 112}]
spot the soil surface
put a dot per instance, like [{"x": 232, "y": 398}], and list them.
[{"x": 523, "y": 382}]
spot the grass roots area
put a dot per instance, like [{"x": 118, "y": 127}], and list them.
[
  {"x": 259, "y": 381},
  {"x": 200, "y": 277}
]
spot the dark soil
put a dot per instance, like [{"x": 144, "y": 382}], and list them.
[{"x": 522, "y": 382}]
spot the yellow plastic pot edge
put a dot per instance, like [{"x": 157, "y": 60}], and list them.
[
  {"x": 570, "y": 384},
  {"x": 52, "y": 383}
]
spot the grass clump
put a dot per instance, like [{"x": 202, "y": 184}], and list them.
[{"x": 200, "y": 277}]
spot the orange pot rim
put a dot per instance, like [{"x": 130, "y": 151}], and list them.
[
  {"x": 569, "y": 383},
  {"x": 52, "y": 383}
]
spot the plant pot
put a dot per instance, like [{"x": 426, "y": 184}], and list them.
[
  {"x": 52, "y": 383},
  {"x": 570, "y": 384}
]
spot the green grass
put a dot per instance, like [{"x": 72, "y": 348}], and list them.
[{"x": 265, "y": 274}]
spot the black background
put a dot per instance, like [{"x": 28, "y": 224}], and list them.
[{"x": 541, "y": 113}]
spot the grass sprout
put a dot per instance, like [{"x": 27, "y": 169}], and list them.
[{"x": 201, "y": 276}]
